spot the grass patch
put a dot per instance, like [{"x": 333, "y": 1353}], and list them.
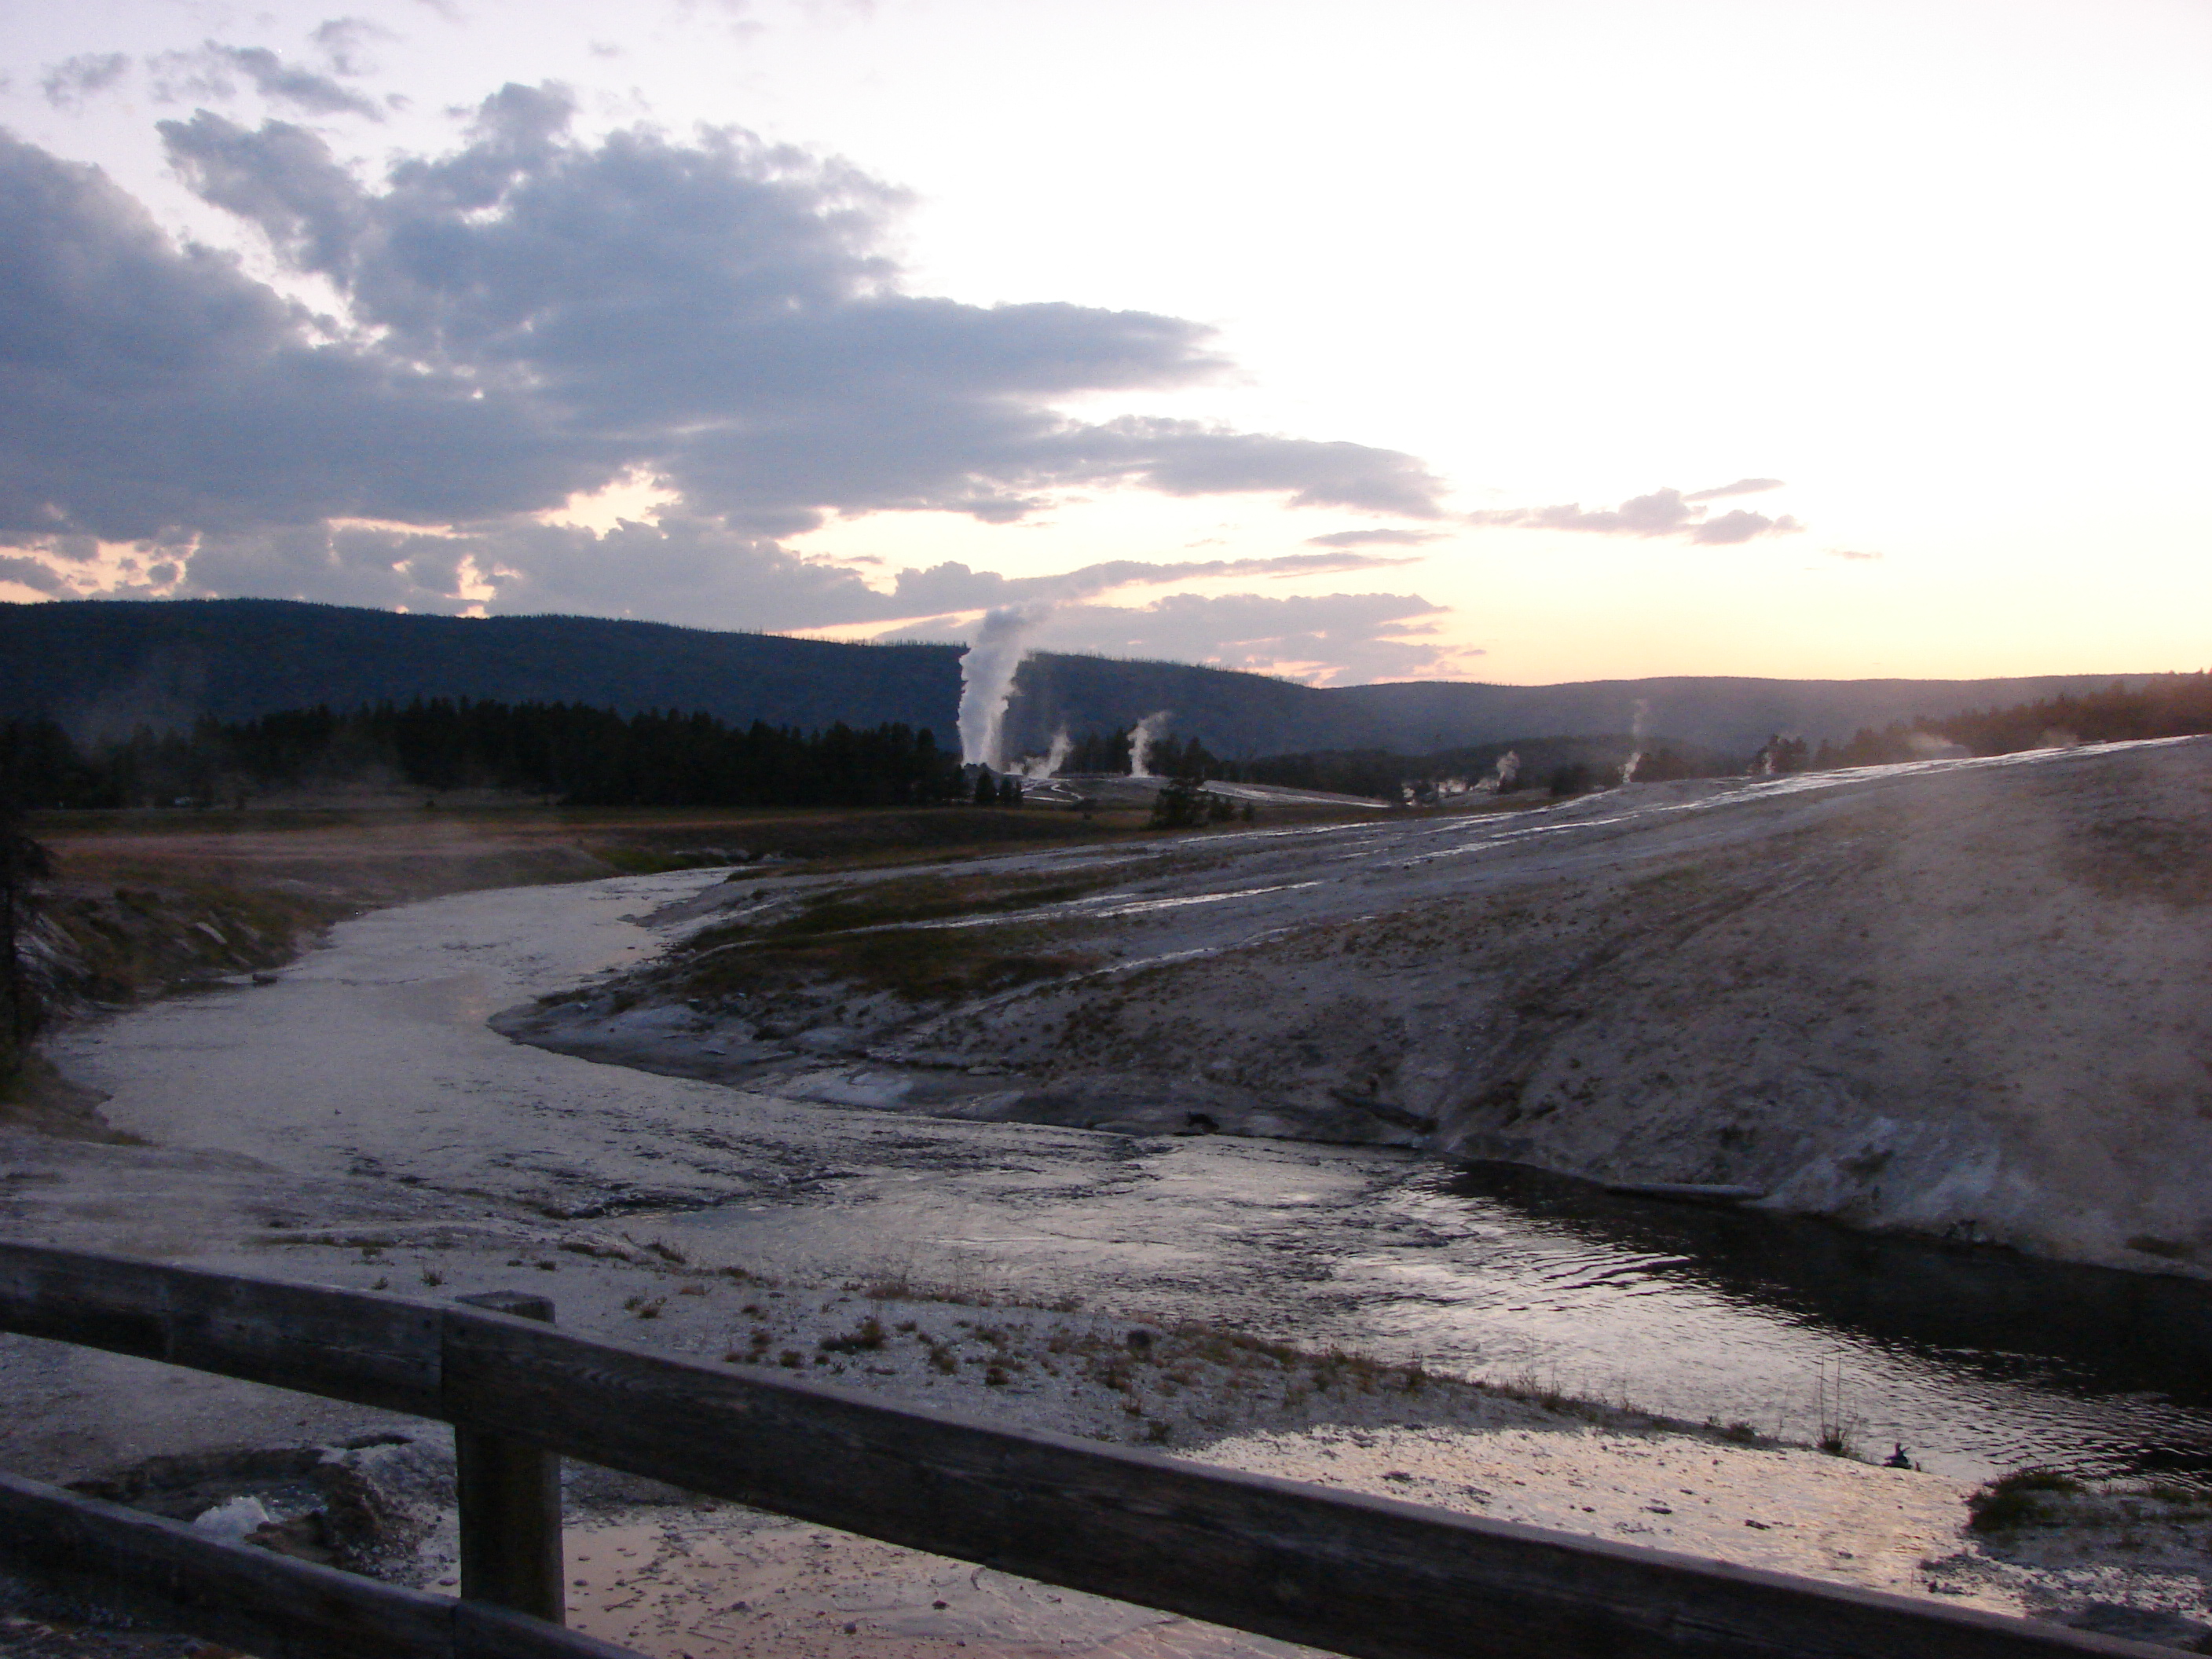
[
  {"x": 2018, "y": 1499},
  {"x": 864, "y": 1338},
  {"x": 876, "y": 937},
  {"x": 937, "y": 897}
]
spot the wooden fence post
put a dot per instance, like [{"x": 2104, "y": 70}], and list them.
[{"x": 510, "y": 1496}]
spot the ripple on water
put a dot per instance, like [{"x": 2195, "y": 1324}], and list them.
[{"x": 1977, "y": 1359}]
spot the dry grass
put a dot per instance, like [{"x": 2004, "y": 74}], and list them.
[{"x": 879, "y": 937}]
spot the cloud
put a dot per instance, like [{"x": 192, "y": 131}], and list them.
[
  {"x": 530, "y": 317},
  {"x": 681, "y": 569},
  {"x": 954, "y": 586},
  {"x": 342, "y": 41},
  {"x": 1741, "y": 487},
  {"x": 723, "y": 311},
  {"x": 548, "y": 316},
  {"x": 34, "y": 574},
  {"x": 212, "y": 71},
  {"x": 1663, "y": 512},
  {"x": 1374, "y": 539},
  {"x": 1853, "y": 555},
  {"x": 1740, "y": 526},
  {"x": 69, "y": 83},
  {"x": 1319, "y": 638},
  {"x": 157, "y": 390}
]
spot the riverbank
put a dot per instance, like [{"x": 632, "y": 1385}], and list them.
[
  {"x": 151, "y": 902},
  {"x": 353, "y": 1122},
  {"x": 1956, "y": 999}
]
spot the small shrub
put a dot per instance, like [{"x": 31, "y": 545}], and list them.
[
  {"x": 864, "y": 1338},
  {"x": 2016, "y": 1499}
]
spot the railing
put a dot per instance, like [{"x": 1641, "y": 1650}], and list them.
[{"x": 1367, "y": 1577}]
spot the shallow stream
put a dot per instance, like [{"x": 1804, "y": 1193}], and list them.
[{"x": 370, "y": 1058}]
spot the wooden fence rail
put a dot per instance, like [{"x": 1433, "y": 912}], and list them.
[
  {"x": 176, "y": 1578},
  {"x": 1367, "y": 1577}
]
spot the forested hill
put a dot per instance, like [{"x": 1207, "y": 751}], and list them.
[
  {"x": 102, "y": 668},
  {"x": 105, "y": 667}
]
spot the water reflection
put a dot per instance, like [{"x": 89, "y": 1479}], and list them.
[{"x": 1975, "y": 1357}]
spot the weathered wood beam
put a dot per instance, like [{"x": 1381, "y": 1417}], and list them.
[
  {"x": 510, "y": 1502},
  {"x": 253, "y": 1599},
  {"x": 343, "y": 1345},
  {"x": 1364, "y": 1576}
]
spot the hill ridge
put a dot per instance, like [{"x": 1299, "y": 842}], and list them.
[{"x": 101, "y": 666}]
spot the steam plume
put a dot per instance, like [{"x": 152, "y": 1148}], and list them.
[
  {"x": 1047, "y": 765},
  {"x": 1140, "y": 743},
  {"x": 1507, "y": 769},
  {"x": 986, "y": 678},
  {"x": 1638, "y": 729}
]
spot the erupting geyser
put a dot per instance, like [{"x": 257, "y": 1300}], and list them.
[
  {"x": 1140, "y": 743},
  {"x": 1639, "y": 728},
  {"x": 987, "y": 679}
]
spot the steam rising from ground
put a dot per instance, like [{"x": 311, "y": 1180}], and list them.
[
  {"x": 1501, "y": 775},
  {"x": 1140, "y": 743},
  {"x": 1638, "y": 730},
  {"x": 986, "y": 678},
  {"x": 1047, "y": 765}
]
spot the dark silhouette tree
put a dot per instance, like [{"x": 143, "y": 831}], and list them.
[{"x": 23, "y": 864}]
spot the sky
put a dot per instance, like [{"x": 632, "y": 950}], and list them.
[{"x": 1485, "y": 340}]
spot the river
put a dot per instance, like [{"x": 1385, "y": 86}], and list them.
[{"x": 369, "y": 1058}]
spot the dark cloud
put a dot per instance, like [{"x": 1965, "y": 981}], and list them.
[
  {"x": 954, "y": 586},
  {"x": 34, "y": 574},
  {"x": 1183, "y": 457},
  {"x": 213, "y": 71},
  {"x": 70, "y": 82},
  {"x": 1741, "y": 487},
  {"x": 1374, "y": 539},
  {"x": 1663, "y": 512},
  {"x": 1320, "y": 637},
  {"x": 530, "y": 317},
  {"x": 725, "y": 308},
  {"x": 157, "y": 388},
  {"x": 681, "y": 569}
]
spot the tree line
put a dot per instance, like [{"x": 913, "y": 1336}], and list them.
[
  {"x": 562, "y": 752},
  {"x": 2166, "y": 706}
]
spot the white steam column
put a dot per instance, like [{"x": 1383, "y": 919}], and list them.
[
  {"x": 1140, "y": 744},
  {"x": 986, "y": 680}
]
